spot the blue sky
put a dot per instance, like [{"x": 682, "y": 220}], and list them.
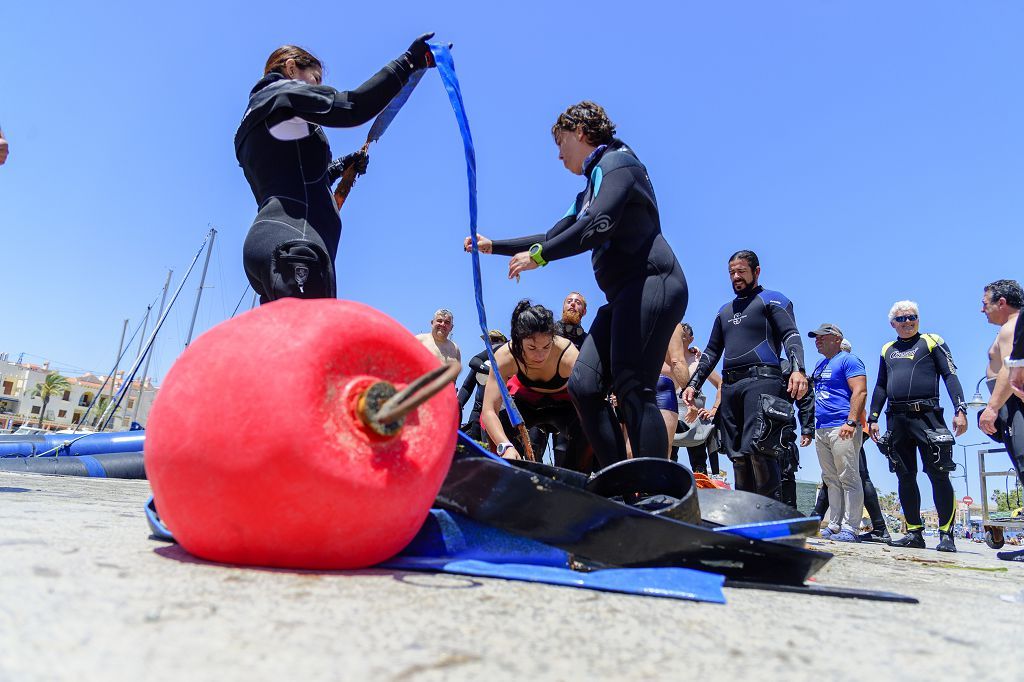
[{"x": 868, "y": 152}]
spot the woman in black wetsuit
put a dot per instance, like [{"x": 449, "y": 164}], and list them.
[
  {"x": 616, "y": 218},
  {"x": 536, "y": 365},
  {"x": 292, "y": 244}
]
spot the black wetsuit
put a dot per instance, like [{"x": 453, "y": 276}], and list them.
[
  {"x": 790, "y": 463},
  {"x": 292, "y": 244},
  {"x": 1017, "y": 352},
  {"x": 478, "y": 364},
  {"x": 616, "y": 217},
  {"x": 1011, "y": 416},
  {"x": 908, "y": 378},
  {"x": 1014, "y": 426},
  {"x": 574, "y": 332},
  {"x": 750, "y": 332}
]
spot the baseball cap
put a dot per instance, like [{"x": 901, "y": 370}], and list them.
[{"x": 826, "y": 328}]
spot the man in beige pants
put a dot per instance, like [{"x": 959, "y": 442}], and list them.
[{"x": 840, "y": 389}]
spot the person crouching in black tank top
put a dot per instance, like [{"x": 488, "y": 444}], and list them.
[
  {"x": 756, "y": 415},
  {"x": 292, "y": 244},
  {"x": 616, "y": 218},
  {"x": 536, "y": 365}
]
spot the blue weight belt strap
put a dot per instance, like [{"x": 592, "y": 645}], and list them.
[{"x": 446, "y": 68}]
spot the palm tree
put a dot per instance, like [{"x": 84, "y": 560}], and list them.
[
  {"x": 53, "y": 384},
  {"x": 99, "y": 407}
]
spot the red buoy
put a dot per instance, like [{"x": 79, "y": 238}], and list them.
[{"x": 257, "y": 452}]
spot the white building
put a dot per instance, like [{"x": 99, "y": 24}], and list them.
[{"x": 18, "y": 382}]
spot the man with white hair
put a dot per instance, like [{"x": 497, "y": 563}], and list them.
[
  {"x": 908, "y": 379},
  {"x": 437, "y": 341}
]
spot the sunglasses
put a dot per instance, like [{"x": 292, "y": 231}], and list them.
[{"x": 905, "y": 318}]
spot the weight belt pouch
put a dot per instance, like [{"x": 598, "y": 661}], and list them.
[
  {"x": 775, "y": 427},
  {"x": 940, "y": 444}
]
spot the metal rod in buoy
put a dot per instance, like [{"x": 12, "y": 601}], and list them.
[{"x": 202, "y": 281}]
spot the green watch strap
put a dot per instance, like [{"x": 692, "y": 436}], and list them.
[{"x": 535, "y": 255}]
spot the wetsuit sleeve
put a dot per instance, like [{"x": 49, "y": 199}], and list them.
[
  {"x": 355, "y": 107},
  {"x": 466, "y": 391},
  {"x": 598, "y": 223},
  {"x": 947, "y": 369},
  {"x": 476, "y": 363},
  {"x": 784, "y": 322},
  {"x": 879, "y": 395},
  {"x": 805, "y": 407},
  {"x": 709, "y": 358},
  {"x": 510, "y": 247}
]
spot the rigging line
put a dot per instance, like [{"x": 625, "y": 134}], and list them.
[
  {"x": 105, "y": 419},
  {"x": 110, "y": 377},
  {"x": 240, "y": 299}
]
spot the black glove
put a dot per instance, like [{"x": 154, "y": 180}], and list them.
[
  {"x": 358, "y": 160},
  {"x": 419, "y": 54}
]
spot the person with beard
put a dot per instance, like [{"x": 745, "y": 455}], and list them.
[
  {"x": 750, "y": 332},
  {"x": 292, "y": 244},
  {"x": 574, "y": 309},
  {"x": 616, "y": 218}
]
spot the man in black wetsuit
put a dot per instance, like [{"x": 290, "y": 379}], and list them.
[
  {"x": 750, "y": 332},
  {"x": 616, "y": 218},
  {"x": 574, "y": 309},
  {"x": 908, "y": 378},
  {"x": 473, "y": 385}
]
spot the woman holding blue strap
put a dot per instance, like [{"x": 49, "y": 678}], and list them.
[
  {"x": 616, "y": 218},
  {"x": 281, "y": 146}
]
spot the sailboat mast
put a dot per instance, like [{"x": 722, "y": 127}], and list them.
[
  {"x": 149, "y": 356},
  {"x": 202, "y": 281}
]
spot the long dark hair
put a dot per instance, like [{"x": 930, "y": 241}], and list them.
[
  {"x": 279, "y": 57},
  {"x": 527, "y": 320}
]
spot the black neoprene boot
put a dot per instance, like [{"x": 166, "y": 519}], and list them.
[
  {"x": 913, "y": 539},
  {"x": 946, "y": 543}
]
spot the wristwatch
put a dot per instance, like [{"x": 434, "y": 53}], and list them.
[
  {"x": 536, "y": 256},
  {"x": 502, "y": 447},
  {"x": 851, "y": 422}
]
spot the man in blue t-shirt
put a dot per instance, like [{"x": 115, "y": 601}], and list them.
[{"x": 840, "y": 390}]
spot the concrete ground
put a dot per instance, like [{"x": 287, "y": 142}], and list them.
[{"x": 86, "y": 596}]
